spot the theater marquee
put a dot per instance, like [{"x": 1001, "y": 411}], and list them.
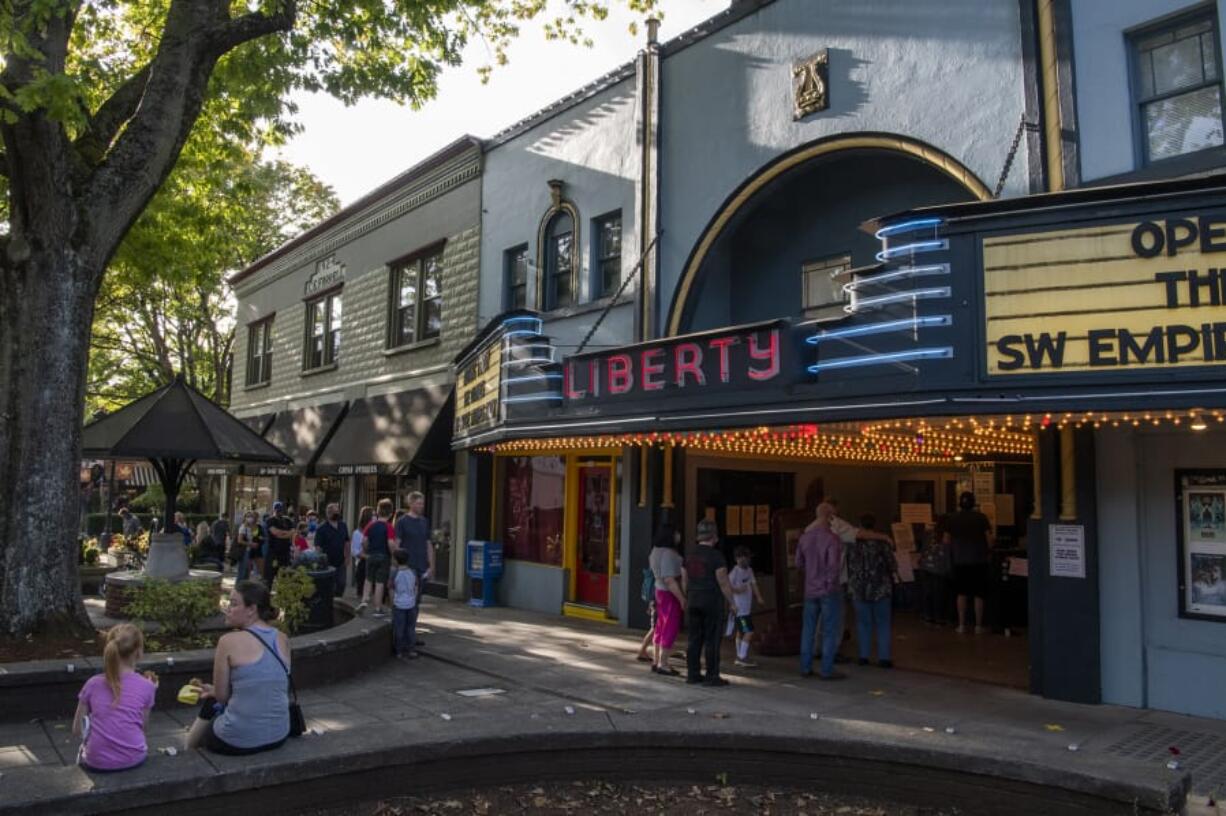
[{"x": 1141, "y": 295}]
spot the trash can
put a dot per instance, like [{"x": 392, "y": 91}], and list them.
[
  {"x": 484, "y": 567},
  {"x": 319, "y": 605}
]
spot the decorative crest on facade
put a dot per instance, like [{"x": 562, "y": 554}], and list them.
[
  {"x": 810, "y": 77},
  {"x": 328, "y": 273}
]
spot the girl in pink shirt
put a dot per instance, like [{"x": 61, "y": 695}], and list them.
[{"x": 114, "y": 706}]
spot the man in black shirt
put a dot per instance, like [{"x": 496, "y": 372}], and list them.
[
  {"x": 706, "y": 587},
  {"x": 332, "y": 537},
  {"x": 280, "y": 540},
  {"x": 969, "y": 532}
]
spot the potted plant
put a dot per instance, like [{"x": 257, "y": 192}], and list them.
[{"x": 315, "y": 564}]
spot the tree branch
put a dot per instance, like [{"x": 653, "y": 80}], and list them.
[
  {"x": 114, "y": 113},
  {"x": 195, "y": 35}
]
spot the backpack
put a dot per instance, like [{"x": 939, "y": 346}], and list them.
[{"x": 648, "y": 590}]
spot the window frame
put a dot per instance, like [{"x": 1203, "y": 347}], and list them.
[
  {"x": 545, "y": 302},
  {"x": 599, "y": 257},
  {"x": 1132, "y": 38},
  {"x": 831, "y": 265},
  {"x": 415, "y": 261},
  {"x": 265, "y": 357},
  {"x": 509, "y": 257},
  {"x": 331, "y": 333}
]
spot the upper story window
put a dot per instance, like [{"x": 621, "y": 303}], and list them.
[
  {"x": 417, "y": 299},
  {"x": 259, "y": 352},
  {"x": 821, "y": 282},
  {"x": 560, "y": 262},
  {"x": 323, "y": 331},
  {"x": 1178, "y": 86},
  {"x": 607, "y": 233},
  {"x": 515, "y": 273}
]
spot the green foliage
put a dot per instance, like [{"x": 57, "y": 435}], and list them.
[
  {"x": 90, "y": 551},
  {"x": 178, "y": 608},
  {"x": 153, "y": 500},
  {"x": 290, "y": 591}
]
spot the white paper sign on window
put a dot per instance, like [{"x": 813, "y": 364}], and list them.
[{"x": 1068, "y": 550}]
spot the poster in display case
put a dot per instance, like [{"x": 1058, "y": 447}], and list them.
[{"x": 1200, "y": 502}]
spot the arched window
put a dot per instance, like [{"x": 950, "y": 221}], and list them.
[{"x": 560, "y": 278}]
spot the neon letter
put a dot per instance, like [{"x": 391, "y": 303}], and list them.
[
  {"x": 621, "y": 379},
  {"x": 568, "y": 384},
  {"x": 723, "y": 344},
  {"x": 687, "y": 359},
  {"x": 770, "y": 353},
  {"x": 649, "y": 369}
]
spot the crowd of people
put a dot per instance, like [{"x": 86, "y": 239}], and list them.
[
  {"x": 840, "y": 565},
  {"x": 249, "y": 706}
]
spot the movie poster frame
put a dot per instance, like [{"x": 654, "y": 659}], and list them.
[{"x": 1187, "y": 480}]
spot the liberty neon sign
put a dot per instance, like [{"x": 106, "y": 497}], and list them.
[{"x": 693, "y": 364}]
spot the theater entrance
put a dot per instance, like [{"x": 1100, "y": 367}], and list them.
[{"x": 762, "y": 497}]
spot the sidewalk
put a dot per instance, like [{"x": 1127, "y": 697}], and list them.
[{"x": 562, "y": 682}]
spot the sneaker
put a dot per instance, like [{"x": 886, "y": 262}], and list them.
[
  {"x": 715, "y": 682},
  {"x": 834, "y": 675},
  {"x": 961, "y": 630},
  {"x": 981, "y": 630},
  {"x": 886, "y": 664},
  {"x": 412, "y": 655},
  {"x": 745, "y": 664},
  {"x": 378, "y": 613},
  {"x": 361, "y": 610}
]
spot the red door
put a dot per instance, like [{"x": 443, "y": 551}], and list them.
[{"x": 595, "y": 534}]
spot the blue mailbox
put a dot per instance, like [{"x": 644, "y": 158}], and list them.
[{"x": 484, "y": 562}]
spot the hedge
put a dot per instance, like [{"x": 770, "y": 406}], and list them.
[{"x": 94, "y": 522}]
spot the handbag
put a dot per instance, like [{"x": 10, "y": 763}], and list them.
[{"x": 297, "y": 722}]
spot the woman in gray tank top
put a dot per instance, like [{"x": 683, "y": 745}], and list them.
[{"x": 246, "y": 708}]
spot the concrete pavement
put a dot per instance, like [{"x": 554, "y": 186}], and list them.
[{"x": 495, "y": 686}]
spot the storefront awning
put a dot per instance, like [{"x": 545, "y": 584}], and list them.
[
  {"x": 258, "y": 423},
  {"x": 384, "y": 434},
  {"x": 301, "y": 433}
]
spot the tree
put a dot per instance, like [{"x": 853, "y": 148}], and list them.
[
  {"x": 97, "y": 99},
  {"x": 164, "y": 307}
]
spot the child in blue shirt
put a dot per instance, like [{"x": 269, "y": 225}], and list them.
[{"x": 403, "y": 587}]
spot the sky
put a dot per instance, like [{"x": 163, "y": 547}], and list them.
[{"x": 357, "y": 148}]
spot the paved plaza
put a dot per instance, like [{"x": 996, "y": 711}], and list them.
[{"x": 501, "y": 673}]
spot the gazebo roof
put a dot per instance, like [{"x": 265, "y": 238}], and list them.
[{"x": 176, "y": 422}]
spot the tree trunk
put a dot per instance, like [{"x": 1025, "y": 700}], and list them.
[{"x": 45, "y": 314}]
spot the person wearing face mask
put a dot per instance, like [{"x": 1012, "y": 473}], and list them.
[{"x": 331, "y": 538}]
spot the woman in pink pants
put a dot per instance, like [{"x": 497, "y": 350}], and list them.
[{"x": 666, "y": 564}]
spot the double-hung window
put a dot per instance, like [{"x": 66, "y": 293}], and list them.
[
  {"x": 515, "y": 272},
  {"x": 607, "y": 233},
  {"x": 417, "y": 300},
  {"x": 259, "y": 352},
  {"x": 323, "y": 331},
  {"x": 1178, "y": 86},
  {"x": 560, "y": 262}
]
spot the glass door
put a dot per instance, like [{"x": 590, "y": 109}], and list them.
[{"x": 596, "y": 530}]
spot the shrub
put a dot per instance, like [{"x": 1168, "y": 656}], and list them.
[
  {"x": 178, "y": 608},
  {"x": 90, "y": 551},
  {"x": 290, "y": 591}
]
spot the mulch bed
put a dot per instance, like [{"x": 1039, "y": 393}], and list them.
[
  {"x": 56, "y": 647},
  {"x": 604, "y": 799}
]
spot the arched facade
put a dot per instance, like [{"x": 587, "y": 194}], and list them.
[{"x": 805, "y": 207}]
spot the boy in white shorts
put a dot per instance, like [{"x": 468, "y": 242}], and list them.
[{"x": 744, "y": 591}]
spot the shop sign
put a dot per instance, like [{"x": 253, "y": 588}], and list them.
[
  {"x": 328, "y": 273},
  {"x": 355, "y": 470},
  {"x": 478, "y": 382},
  {"x": 276, "y": 470},
  {"x": 694, "y": 364},
  {"x": 1146, "y": 295}
]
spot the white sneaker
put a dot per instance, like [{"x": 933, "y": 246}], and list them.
[
  {"x": 745, "y": 664},
  {"x": 361, "y": 610},
  {"x": 961, "y": 630}
]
